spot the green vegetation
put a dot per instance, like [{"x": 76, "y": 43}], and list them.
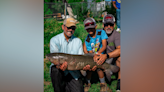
[
  {"x": 80, "y": 10},
  {"x": 72, "y": 1},
  {"x": 52, "y": 27},
  {"x": 110, "y": 10}
]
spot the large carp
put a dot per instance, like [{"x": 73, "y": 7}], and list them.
[{"x": 78, "y": 62}]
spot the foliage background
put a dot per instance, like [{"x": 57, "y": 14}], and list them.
[{"x": 52, "y": 27}]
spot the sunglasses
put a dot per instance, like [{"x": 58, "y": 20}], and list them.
[
  {"x": 88, "y": 24},
  {"x": 90, "y": 29},
  {"x": 108, "y": 24},
  {"x": 72, "y": 27}
]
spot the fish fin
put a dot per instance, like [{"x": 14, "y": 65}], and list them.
[
  {"x": 84, "y": 73},
  {"x": 108, "y": 74},
  {"x": 114, "y": 68},
  {"x": 89, "y": 54},
  {"x": 47, "y": 58}
]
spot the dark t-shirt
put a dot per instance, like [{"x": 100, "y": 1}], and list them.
[{"x": 113, "y": 41}]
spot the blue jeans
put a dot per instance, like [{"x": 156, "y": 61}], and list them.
[{"x": 118, "y": 17}]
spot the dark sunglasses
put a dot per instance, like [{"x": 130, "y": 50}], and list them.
[
  {"x": 72, "y": 27},
  {"x": 88, "y": 24},
  {"x": 108, "y": 24},
  {"x": 90, "y": 29}
]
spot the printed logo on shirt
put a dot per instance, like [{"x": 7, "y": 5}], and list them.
[
  {"x": 99, "y": 33},
  {"x": 119, "y": 1},
  {"x": 111, "y": 44},
  {"x": 93, "y": 46},
  {"x": 97, "y": 46},
  {"x": 88, "y": 39}
]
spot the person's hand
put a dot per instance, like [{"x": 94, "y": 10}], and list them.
[
  {"x": 87, "y": 67},
  {"x": 96, "y": 57},
  {"x": 100, "y": 58},
  {"x": 94, "y": 68},
  {"x": 62, "y": 67}
]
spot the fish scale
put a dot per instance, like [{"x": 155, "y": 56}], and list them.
[{"x": 78, "y": 62}]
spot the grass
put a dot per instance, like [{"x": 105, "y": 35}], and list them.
[{"x": 52, "y": 28}]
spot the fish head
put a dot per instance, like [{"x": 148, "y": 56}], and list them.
[{"x": 56, "y": 58}]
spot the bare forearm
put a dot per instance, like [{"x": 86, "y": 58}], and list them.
[
  {"x": 91, "y": 51},
  {"x": 102, "y": 49},
  {"x": 115, "y": 53},
  {"x": 84, "y": 48},
  {"x": 103, "y": 46},
  {"x": 114, "y": 5}
]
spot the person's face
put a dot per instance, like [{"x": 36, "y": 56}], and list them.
[
  {"x": 108, "y": 27},
  {"x": 69, "y": 31},
  {"x": 91, "y": 31}
]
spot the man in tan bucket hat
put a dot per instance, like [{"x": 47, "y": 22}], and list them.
[{"x": 62, "y": 79}]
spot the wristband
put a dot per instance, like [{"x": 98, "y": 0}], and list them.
[{"x": 108, "y": 56}]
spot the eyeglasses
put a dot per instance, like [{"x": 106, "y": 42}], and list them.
[
  {"x": 88, "y": 24},
  {"x": 108, "y": 24},
  {"x": 72, "y": 27}
]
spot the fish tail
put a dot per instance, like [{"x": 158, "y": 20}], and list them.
[
  {"x": 114, "y": 68},
  {"x": 108, "y": 74}
]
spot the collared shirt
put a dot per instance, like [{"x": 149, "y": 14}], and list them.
[{"x": 59, "y": 43}]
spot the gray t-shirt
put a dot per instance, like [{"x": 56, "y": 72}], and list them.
[{"x": 113, "y": 41}]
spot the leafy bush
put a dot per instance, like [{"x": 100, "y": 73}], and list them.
[
  {"x": 80, "y": 10},
  {"x": 71, "y": 1},
  {"x": 51, "y": 28},
  {"x": 47, "y": 9},
  {"x": 110, "y": 10}
]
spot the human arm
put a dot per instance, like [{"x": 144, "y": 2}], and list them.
[
  {"x": 55, "y": 47},
  {"x": 87, "y": 67},
  {"x": 114, "y": 4},
  {"x": 103, "y": 41},
  {"x": 84, "y": 48},
  {"x": 100, "y": 58},
  {"x": 103, "y": 46},
  {"x": 115, "y": 53}
]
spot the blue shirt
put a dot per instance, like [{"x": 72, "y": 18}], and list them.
[
  {"x": 59, "y": 43},
  {"x": 95, "y": 44},
  {"x": 118, "y": 3}
]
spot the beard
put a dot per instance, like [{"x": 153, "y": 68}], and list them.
[{"x": 108, "y": 31}]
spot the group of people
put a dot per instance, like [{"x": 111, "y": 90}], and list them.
[{"x": 104, "y": 43}]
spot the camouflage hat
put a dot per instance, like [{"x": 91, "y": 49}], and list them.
[
  {"x": 109, "y": 18},
  {"x": 89, "y": 23}
]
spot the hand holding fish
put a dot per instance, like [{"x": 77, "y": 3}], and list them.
[
  {"x": 94, "y": 68},
  {"x": 63, "y": 66},
  {"x": 78, "y": 62},
  {"x": 87, "y": 67},
  {"x": 100, "y": 58}
]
